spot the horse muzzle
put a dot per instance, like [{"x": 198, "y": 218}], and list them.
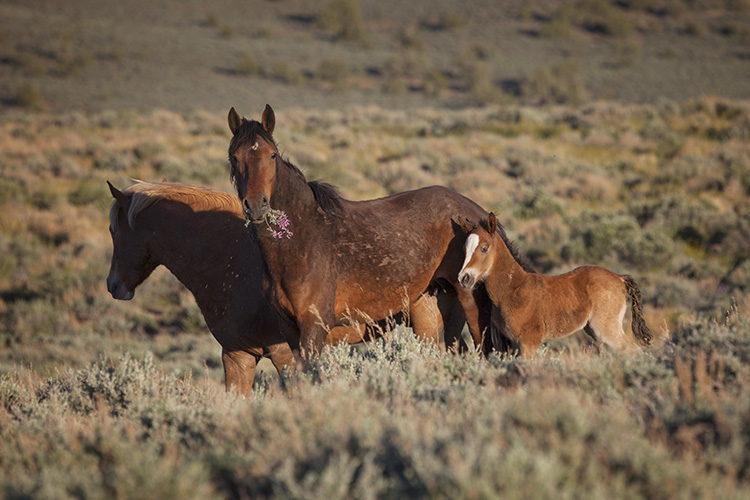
[
  {"x": 467, "y": 280},
  {"x": 256, "y": 212},
  {"x": 118, "y": 290}
]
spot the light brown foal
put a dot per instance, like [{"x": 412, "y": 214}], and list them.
[{"x": 530, "y": 308}]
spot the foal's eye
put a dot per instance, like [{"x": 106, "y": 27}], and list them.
[
  {"x": 485, "y": 248},
  {"x": 274, "y": 156}
]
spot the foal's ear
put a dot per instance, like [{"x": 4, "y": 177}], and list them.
[
  {"x": 118, "y": 195},
  {"x": 234, "y": 121},
  {"x": 491, "y": 223},
  {"x": 269, "y": 119}
]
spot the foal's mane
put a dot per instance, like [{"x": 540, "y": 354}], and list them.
[
  {"x": 146, "y": 194},
  {"x": 522, "y": 260},
  {"x": 326, "y": 195}
]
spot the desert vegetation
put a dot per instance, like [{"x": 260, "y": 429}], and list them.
[
  {"x": 614, "y": 133},
  {"x": 125, "y": 394},
  {"x": 401, "y": 419}
]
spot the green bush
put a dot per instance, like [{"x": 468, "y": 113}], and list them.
[
  {"x": 334, "y": 72},
  {"x": 343, "y": 20},
  {"x": 29, "y": 96},
  {"x": 563, "y": 83},
  {"x": 285, "y": 73},
  {"x": 248, "y": 66}
]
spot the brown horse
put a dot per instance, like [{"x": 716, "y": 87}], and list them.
[
  {"x": 529, "y": 309},
  {"x": 329, "y": 257},
  {"x": 199, "y": 235}
]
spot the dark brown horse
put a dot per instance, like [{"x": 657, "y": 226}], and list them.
[
  {"x": 329, "y": 258},
  {"x": 200, "y": 236},
  {"x": 533, "y": 308}
]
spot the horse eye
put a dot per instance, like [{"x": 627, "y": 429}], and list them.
[
  {"x": 485, "y": 248},
  {"x": 273, "y": 156}
]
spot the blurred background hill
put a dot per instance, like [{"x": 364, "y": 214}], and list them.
[{"x": 186, "y": 55}]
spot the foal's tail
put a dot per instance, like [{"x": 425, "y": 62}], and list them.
[{"x": 642, "y": 332}]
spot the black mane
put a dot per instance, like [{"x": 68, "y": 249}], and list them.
[
  {"x": 326, "y": 195},
  {"x": 522, "y": 260}
]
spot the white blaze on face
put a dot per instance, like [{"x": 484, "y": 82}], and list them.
[
  {"x": 254, "y": 147},
  {"x": 469, "y": 248}
]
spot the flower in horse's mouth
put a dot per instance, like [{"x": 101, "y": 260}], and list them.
[{"x": 277, "y": 218}]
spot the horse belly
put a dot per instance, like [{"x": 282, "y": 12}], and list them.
[{"x": 378, "y": 297}]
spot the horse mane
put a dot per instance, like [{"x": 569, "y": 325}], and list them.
[
  {"x": 146, "y": 194},
  {"x": 521, "y": 259},
  {"x": 326, "y": 195}
]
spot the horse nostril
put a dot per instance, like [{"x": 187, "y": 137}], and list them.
[
  {"x": 264, "y": 201},
  {"x": 245, "y": 204}
]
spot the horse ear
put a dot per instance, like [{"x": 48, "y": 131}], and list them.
[
  {"x": 118, "y": 195},
  {"x": 491, "y": 223},
  {"x": 234, "y": 121},
  {"x": 466, "y": 224},
  {"x": 269, "y": 119}
]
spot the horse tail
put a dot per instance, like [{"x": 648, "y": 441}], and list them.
[{"x": 641, "y": 331}]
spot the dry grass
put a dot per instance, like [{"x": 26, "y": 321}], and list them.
[{"x": 659, "y": 192}]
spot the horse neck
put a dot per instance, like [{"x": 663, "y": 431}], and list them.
[
  {"x": 506, "y": 276},
  {"x": 292, "y": 195},
  {"x": 183, "y": 244}
]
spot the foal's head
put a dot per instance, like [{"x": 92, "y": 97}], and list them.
[
  {"x": 253, "y": 156},
  {"x": 131, "y": 262},
  {"x": 479, "y": 253}
]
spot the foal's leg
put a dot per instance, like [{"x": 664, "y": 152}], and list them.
[
  {"x": 606, "y": 321},
  {"x": 591, "y": 333},
  {"x": 453, "y": 319},
  {"x": 478, "y": 311},
  {"x": 239, "y": 370},
  {"x": 529, "y": 346}
]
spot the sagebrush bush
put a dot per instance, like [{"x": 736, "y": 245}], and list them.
[
  {"x": 398, "y": 418},
  {"x": 656, "y": 191},
  {"x": 343, "y": 20},
  {"x": 29, "y": 96}
]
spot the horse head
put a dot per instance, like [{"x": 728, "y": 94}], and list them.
[
  {"x": 253, "y": 156},
  {"x": 478, "y": 258},
  {"x": 130, "y": 264}
]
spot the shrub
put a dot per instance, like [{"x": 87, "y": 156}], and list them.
[
  {"x": 88, "y": 192},
  {"x": 29, "y": 96},
  {"x": 283, "y": 72},
  {"x": 447, "y": 22},
  {"x": 558, "y": 84},
  {"x": 248, "y": 66},
  {"x": 596, "y": 236},
  {"x": 334, "y": 72},
  {"x": 343, "y": 20},
  {"x": 410, "y": 39}
]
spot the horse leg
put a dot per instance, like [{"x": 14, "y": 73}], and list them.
[
  {"x": 281, "y": 357},
  {"x": 313, "y": 328},
  {"x": 453, "y": 319},
  {"x": 239, "y": 370},
  {"x": 607, "y": 324},
  {"x": 477, "y": 308},
  {"x": 528, "y": 346},
  {"x": 426, "y": 320},
  {"x": 591, "y": 333}
]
